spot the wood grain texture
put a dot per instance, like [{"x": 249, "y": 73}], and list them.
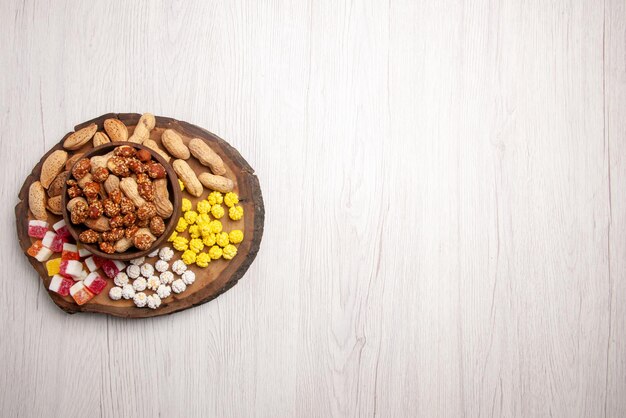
[{"x": 444, "y": 193}]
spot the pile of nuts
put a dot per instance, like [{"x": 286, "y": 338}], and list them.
[{"x": 121, "y": 198}]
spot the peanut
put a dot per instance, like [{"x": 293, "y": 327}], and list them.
[
  {"x": 88, "y": 178},
  {"x": 128, "y": 185},
  {"x": 219, "y": 183},
  {"x": 51, "y": 167},
  {"x": 100, "y": 224},
  {"x": 188, "y": 177},
  {"x": 146, "y": 123},
  {"x": 74, "y": 201},
  {"x": 155, "y": 147},
  {"x": 80, "y": 137},
  {"x": 203, "y": 152},
  {"x": 37, "y": 201},
  {"x": 123, "y": 245},
  {"x": 111, "y": 183},
  {"x": 174, "y": 144},
  {"x": 116, "y": 130},
  {"x": 100, "y": 138},
  {"x": 162, "y": 199},
  {"x": 99, "y": 161},
  {"x": 55, "y": 205},
  {"x": 143, "y": 239}
]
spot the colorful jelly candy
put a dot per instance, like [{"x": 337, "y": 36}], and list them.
[
  {"x": 61, "y": 229},
  {"x": 95, "y": 283},
  {"x": 70, "y": 252},
  {"x": 37, "y": 229},
  {"x": 53, "y": 241},
  {"x": 61, "y": 285},
  {"x": 39, "y": 252},
  {"x": 94, "y": 262},
  {"x": 53, "y": 266},
  {"x": 112, "y": 267},
  {"x": 71, "y": 268},
  {"x": 80, "y": 293}
]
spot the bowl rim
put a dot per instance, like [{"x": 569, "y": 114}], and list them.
[{"x": 173, "y": 187}]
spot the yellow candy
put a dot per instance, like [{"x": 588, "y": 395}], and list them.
[
  {"x": 216, "y": 226},
  {"x": 217, "y": 211},
  {"x": 203, "y": 218},
  {"x": 185, "y": 205},
  {"x": 215, "y": 252},
  {"x": 231, "y": 199},
  {"x": 235, "y": 236},
  {"x": 180, "y": 243},
  {"x": 229, "y": 252},
  {"x": 172, "y": 237},
  {"x": 191, "y": 217},
  {"x": 208, "y": 240},
  {"x": 215, "y": 198},
  {"x": 203, "y": 206},
  {"x": 205, "y": 228},
  {"x": 181, "y": 184},
  {"x": 222, "y": 239},
  {"x": 53, "y": 266},
  {"x": 235, "y": 213},
  {"x": 203, "y": 260},
  {"x": 188, "y": 257},
  {"x": 196, "y": 245},
  {"x": 182, "y": 224},
  {"x": 194, "y": 231}
]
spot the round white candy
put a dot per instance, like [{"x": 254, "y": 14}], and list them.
[
  {"x": 121, "y": 279},
  {"x": 188, "y": 277},
  {"x": 147, "y": 270},
  {"x": 133, "y": 271},
  {"x": 178, "y": 286},
  {"x": 115, "y": 293},
  {"x": 166, "y": 254},
  {"x": 153, "y": 283},
  {"x": 127, "y": 291},
  {"x": 154, "y": 301},
  {"x": 164, "y": 291},
  {"x": 140, "y": 284},
  {"x": 137, "y": 261},
  {"x": 179, "y": 267},
  {"x": 161, "y": 266},
  {"x": 140, "y": 300},
  {"x": 167, "y": 277}
]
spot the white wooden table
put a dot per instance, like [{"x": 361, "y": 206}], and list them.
[{"x": 445, "y": 187}]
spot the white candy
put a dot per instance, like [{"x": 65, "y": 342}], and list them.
[
  {"x": 154, "y": 301},
  {"x": 178, "y": 286},
  {"x": 188, "y": 277},
  {"x": 154, "y": 253},
  {"x": 167, "y": 277},
  {"x": 153, "y": 283},
  {"x": 179, "y": 267},
  {"x": 161, "y": 266},
  {"x": 140, "y": 284},
  {"x": 166, "y": 254},
  {"x": 128, "y": 292},
  {"x": 147, "y": 270},
  {"x": 164, "y": 291},
  {"x": 115, "y": 293},
  {"x": 121, "y": 279},
  {"x": 140, "y": 299},
  {"x": 133, "y": 271},
  {"x": 138, "y": 261}
]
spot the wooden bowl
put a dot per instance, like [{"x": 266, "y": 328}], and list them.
[{"x": 170, "y": 224}]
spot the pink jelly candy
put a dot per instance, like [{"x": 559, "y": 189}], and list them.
[
  {"x": 61, "y": 229},
  {"x": 94, "y": 262},
  {"x": 80, "y": 293},
  {"x": 95, "y": 283},
  {"x": 112, "y": 267},
  {"x": 53, "y": 241},
  {"x": 37, "y": 229},
  {"x": 70, "y": 252},
  {"x": 61, "y": 285}
]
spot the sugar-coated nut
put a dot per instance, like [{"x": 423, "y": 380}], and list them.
[
  {"x": 147, "y": 270},
  {"x": 113, "y": 235},
  {"x": 215, "y": 252},
  {"x": 235, "y": 236},
  {"x": 214, "y": 182},
  {"x": 127, "y": 206},
  {"x": 203, "y": 260},
  {"x": 161, "y": 266},
  {"x": 116, "y": 221},
  {"x": 229, "y": 252},
  {"x": 147, "y": 211},
  {"x": 164, "y": 291},
  {"x": 115, "y": 293},
  {"x": 166, "y": 277},
  {"x": 215, "y": 198},
  {"x": 125, "y": 151},
  {"x": 89, "y": 236},
  {"x": 107, "y": 247},
  {"x": 128, "y": 292},
  {"x": 131, "y": 231},
  {"x": 187, "y": 175},
  {"x": 196, "y": 245},
  {"x": 116, "y": 130},
  {"x": 140, "y": 299},
  {"x": 111, "y": 209},
  {"x": 157, "y": 226},
  {"x": 37, "y": 201},
  {"x": 180, "y": 243},
  {"x": 154, "y": 301},
  {"x": 166, "y": 254},
  {"x": 147, "y": 191},
  {"x": 178, "y": 286},
  {"x": 217, "y": 211},
  {"x": 188, "y": 277},
  {"x": 174, "y": 144},
  {"x": 81, "y": 168},
  {"x": 80, "y": 212},
  {"x": 140, "y": 284},
  {"x": 91, "y": 190},
  {"x": 179, "y": 267},
  {"x": 188, "y": 257},
  {"x": 80, "y": 137},
  {"x": 100, "y": 174},
  {"x": 205, "y": 154},
  {"x": 209, "y": 240},
  {"x": 144, "y": 155},
  {"x": 51, "y": 167},
  {"x": 231, "y": 199},
  {"x": 74, "y": 192},
  {"x": 235, "y": 213},
  {"x": 133, "y": 271},
  {"x": 120, "y": 279},
  {"x": 118, "y": 166},
  {"x": 142, "y": 241},
  {"x": 153, "y": 283},
  {"x": 185, "y": 204},
  {"x": 96, "y": 208}
]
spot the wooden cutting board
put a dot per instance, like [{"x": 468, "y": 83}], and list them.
[{"x": 211, "y": 281}]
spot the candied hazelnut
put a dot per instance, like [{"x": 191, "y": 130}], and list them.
[
  {"x": 142, "y": 241},
  {"x": 100, "y": 174},
  {"x": 107, "y": 247},
  {"x": 126, "y": 205},
  {"x": 110, "y": 208},
  {"x": 80, "y": 212},
  {"x": 156, "y": 171},
  {"x": 116, "y": 196},
  {"x": 95, "y": 209},
  {"x": 131, "y": 231},
  {"x": 129, "y": 219},
  {"x": 142, "y": 223},
  {"x": 147, "y": 191},
  {"x": 89, "y": 236},
  {"x": 113, "y": 235},
  {"x": 118, "y": 166},
  {"x": 136, "y": 166},
  {"x": 81, "y": 168},
  {"x": 147, "y": 211},
  {"x": 71, "y": 182},
  {"x": 143, "y": 178},
  {"x": 157, "y": 226},
  {"x": 91, "y": 190},
  {"x": 144, "y": 155},
  {"x": 125, "y": 151},
  {"x": 117, "y": 221},
  {"x": 74, "y": 191}
]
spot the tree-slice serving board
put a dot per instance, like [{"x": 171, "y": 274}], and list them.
[{"x": 211, "y": 281}]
